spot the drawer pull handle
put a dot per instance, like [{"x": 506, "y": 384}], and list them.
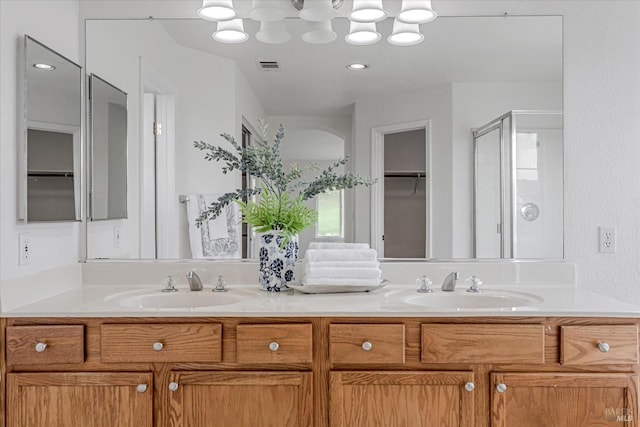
[
  {"x": 157, "y": 346},
  {"x": 141, "y": 388},
  {"x": 501, "y": 388},
  {"x": 603, "y": 347},
  {"x": 274, "y": 346},
  {"x": 367, "y": 346},
  {"x": 173, "y": 386},
  {"x": 470, "y": 386},
  {"x": 41, "y": 346}
]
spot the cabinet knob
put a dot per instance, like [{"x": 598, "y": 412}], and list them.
[
  {"x": 470, "y": 386},
  {"x": 157, "y": 346},
  {"x": 367, "y": 346},
  {"x": 501, "y": 388},
  {"x": 603, "y": 347},
  {"x": 41, "y": 346},
  {"x": 173, "y": 386},
  {"x": 274, "y": 346},
  {"x": 141, "y": 388}
]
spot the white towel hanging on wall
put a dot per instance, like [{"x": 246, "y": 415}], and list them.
[{"x": 219, "y": 238}]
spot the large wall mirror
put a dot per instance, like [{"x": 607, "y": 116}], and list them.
[
  {"x": 408, "y": 118},
  {"x": 107, "y": 150},
  {"x": 49, "y": 182}
]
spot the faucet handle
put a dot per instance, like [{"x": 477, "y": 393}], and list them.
[
  {"x": 474, "y": 284},
  {"x": 220, "y": 285},
  {"x": 424, "y": 284},
  {"x": 170, "y": 284}
]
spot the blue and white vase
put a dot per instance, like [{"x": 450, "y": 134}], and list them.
[{"x": 276, "y": 261}]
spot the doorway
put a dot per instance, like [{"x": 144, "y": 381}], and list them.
[{"x": 401, "y": 198}]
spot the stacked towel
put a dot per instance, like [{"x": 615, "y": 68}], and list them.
[{"x": 341, "y": 264}]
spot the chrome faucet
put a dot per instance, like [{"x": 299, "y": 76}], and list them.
[
  {"x": 449, "y": 283},
  {"x": 195, "y": 284}
]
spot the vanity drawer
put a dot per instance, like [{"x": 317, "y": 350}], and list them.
[
  {"x": 39, "y": 345},
  {"x": 258, "y": 344},
  {"x": 187, "y": 342},
  {"x": 482, "y": 343},
  {"x": 366, "y": 344},
  {"x": 599, "y": 345}
]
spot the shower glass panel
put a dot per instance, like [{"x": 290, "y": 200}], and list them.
[
  {"x": 488, "y": 199},
  {"x": 518, "y": 191},
  {"x": 538, "y": 223}
]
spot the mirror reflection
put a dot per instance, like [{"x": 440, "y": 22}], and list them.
[
  {"x": 50, "y": 184},
  {"x": 108, "y": 151},
  {"x": 184, "y": 86}
]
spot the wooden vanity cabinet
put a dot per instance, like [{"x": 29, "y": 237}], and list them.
[
  {"x": 86, "y": 399},
  {"x": 240, "y": 399},
  {"x": 320, "y": 372},
  {"x": 563, "y": 399},
  {"x": 417, "y": 399}
]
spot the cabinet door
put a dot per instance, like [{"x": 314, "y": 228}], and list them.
[
  {"x": 564, "y": 400},
  {"x": 240, "y": 399},
  {"x": 394, "y": 399},
  {"x": 80, "y": 400}
]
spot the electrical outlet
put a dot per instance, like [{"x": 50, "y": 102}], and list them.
[
  {"x": 116, "y": 237},
  {"x": 607, "y": 242},
  {"x": 24, "y": 248}
]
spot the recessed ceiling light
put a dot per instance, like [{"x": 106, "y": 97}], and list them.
[
  {"x": 357, "y": 66},
  {"x": 43, "y": 66}
]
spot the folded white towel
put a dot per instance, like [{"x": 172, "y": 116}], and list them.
[
  {"x": 341, "y": 255},
  {"x": 310, "y": 281},
  {"x": 342, "y": 273},
  {"x": 336, "y": 245},
  {"x": 339, "y": 264}
]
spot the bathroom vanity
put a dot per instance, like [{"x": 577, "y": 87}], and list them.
[{"x": 292, "y": 360}]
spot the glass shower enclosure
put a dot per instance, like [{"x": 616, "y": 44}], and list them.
[{"x": 518, "y": 186}]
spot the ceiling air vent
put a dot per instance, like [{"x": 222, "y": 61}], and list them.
[{"x": 268, "y": 66}]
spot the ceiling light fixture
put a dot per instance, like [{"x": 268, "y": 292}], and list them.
[
  {"x": 217, "y": 10},
  {"x": 318, "y": 11},
  {"x": 416, "y": 12},
  {"x": 318, "y": 14},
  {"x": 319, "y": 33},
  {"x": 43, "y": 66},
  {"x": 357, "y": 67},
  {"x": 405, "y": 34},
  {"x": 362, "y": 33},
  {"x": 273, "y": 32},
  {"x": 268, "y": 10},
  {"x": 367, "y": 11},
  {"x": 231, "y": 32}
]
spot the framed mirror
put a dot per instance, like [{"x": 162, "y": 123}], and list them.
[
  {"x": 49, "y": 183},
  {"x": 467, "y": 72},
  {"x": 107, "y": 150}
]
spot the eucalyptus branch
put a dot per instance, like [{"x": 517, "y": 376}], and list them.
[
  {"x": 282, "y": 192},
  {"x": 215, "y": 208}
]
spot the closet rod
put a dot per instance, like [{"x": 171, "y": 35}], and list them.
[{"x": 406, "y": 175}]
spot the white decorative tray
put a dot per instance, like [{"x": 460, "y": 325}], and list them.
[{"x": 335, "y": 289}]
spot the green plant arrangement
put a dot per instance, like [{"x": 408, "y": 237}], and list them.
[
  {"x": 276, "y": 207},
  {"x": 279, "y": 200}
]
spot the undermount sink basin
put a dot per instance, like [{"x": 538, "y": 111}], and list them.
[
  {"x": 460, "y": 299},
  {"x": 182, "y": 299}
]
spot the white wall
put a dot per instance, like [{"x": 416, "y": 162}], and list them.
[
  {"x": 56, "y": 24},
  {"x": 409, "y": 107},
  {"x": 206, "y": 106},
  {"x": 602, "y": 130}
]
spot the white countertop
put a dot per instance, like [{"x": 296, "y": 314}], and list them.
[{"x": 97, "y": 301}]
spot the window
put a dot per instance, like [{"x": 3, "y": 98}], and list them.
[{"x": 330, "y": 215}]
